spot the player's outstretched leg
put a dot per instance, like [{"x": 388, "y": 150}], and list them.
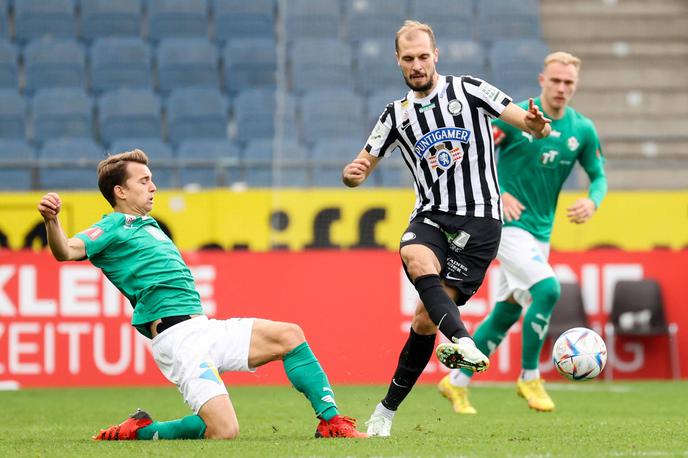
[
  {"x": 462, "y": 354},
  {"x": 141, "y": 426}
]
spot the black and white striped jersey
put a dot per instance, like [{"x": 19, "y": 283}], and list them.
[{"x": 446, "y": 141}]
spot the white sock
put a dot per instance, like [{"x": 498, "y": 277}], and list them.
[
  {"x": 530, "y": 374},
  {"x": 384, "y": 411},
  {"x": 458, "y": 378}
]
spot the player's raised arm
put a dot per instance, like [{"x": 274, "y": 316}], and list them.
[
  {"x": 358, "y": 170},
  {"x": 63, "y": 249},
  {"x": 532, "y": 121}
]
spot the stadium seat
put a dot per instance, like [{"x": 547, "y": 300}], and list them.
[
  {"x": 69, "y": 164},
  {"x": 120, "y": 62},
  {"x": 208, "y": 162},
  {"x": 281, "y": 163},
  {"x": 163, "y": 165},
  {"x": 4, "y": 20},
  {"x": 377, "y": 102},
  {"x": 319, "y": 64},
  {"x": 59, "y": 113},
  {"x": 12, "y": 114},
  {"x": 450, "y": 19},
  {"x": 569, "y": 311},
  {"x": 8, "y": 65},
  {"x": 197, "y": 113},
  {"x": 392, "y": 172},
  {"x": 329, "y": 157},
  {"x": 177, "y": 18},
  {"x": 376, "y": 67},
  {"x": 257, "y": 115},
  {"x": 332, "y": 114},
  {"x": 508, "y": 19},
  {"x": 41, "y": 18},
  {"x": 16, "y": 161},
  {"x": 638, "y": 311},
  {"x": 463, "y": 57},
  {"x": 187, "y": 62},
  {"x": 107, "y": 18},
  {"x": 54, "y": 63},
  {"x": 249, "y": 63},
  {"x": 236, "y": 19},
  {"x": 127, "y": 113},
  {"x": 312, "y": 19},
  {"x": 515, "y": 65},
  {"x": 374, "y": 18}
]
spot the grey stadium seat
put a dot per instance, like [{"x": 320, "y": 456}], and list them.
[
  {"x": 61, "y": 113},
  {"x": 12, "y": 114},
  {"x": 450, "y": 19},
  {"x": 107, "y": 18},
  {"x": 328, "y": 158},
  {"x": 9, "y": 69},
  {"x": 332, "y": 114},
  {"x": 266, "y": 163},
  {"x": 187, "y": 62},
  {"x": 373, "y": 18},
  {"x": 4, "y": 19},
  {"x": 41, "y": 18},
  {"x": 249, "y": 63},
  {"x": 197, "y": 113},
  {"x": 126, "y": 113},
  {"x": 177, "y": 18},
  {"x": 120, "y": 62},
  {"x": 69, "y": 164},
  {"x": 312, "y": 19},
  {"x": 54, "y": 63},
  {"x": 236, "y": 19},
  {"x": 16, "y": 162},
  {"x": 320, "y": 64},
  {"x": 258, "y": 116},
  {"x": 208, "y": 162},
  {"x": 508, "y": 19}
]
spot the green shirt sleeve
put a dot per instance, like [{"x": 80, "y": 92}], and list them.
[
  {"x": 592, "y": 161},
  {"x": 97, "y": 237}
]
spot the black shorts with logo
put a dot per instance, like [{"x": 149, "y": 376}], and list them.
[{"x": 464, "y": 245}]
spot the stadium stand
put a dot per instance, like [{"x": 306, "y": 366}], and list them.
[
  {"x": 17, "y": 160},
  {"x": 54, "y": 63},
  {"x": 465, "y": 57},
  {"x": 107, "y": 18},
  {"x": 367, "y": 19},
  {"x": 450, "y": 19},
  {"x": 249, "y": 63},
  {"x": 187, "y": 62},
  {"x": 9, "y": 69},
  {"x": 4, "y": 19},
  {"x": 126, "y": 113},
  {"x": 236, "y": 19},
  {"x": 329, "y": 157},
  {"x": 508, "y": 19},
  {"x": 196, "y": 113},
  {"x": 165, "y": 175},
  {"x": 177, "y": 18},
  {"x": 119, "y": 62},
  {"x": 336, "y": 113},
  {"x": 320, "y": 63},
  {"x": 313, "y": 19},
  {"x": 208, "y": 162},
  {"x": 258, "y": 113},
  {"x": 515, "y": 65},
  {"x": 57, "y": 113},
  {"x": 69, "y": 163},
  {"x": 12, "y": 115},
  {"x": 376, "y": 67},
  {"x": 41, "y": 18}
]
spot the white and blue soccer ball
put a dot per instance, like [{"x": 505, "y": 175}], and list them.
[{"x": 579, "y": 354}]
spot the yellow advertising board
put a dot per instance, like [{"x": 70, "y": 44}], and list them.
[{"x": 262, "y": 220}]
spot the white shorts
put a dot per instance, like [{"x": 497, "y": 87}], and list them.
[
  {"x": 523, "y": 261},
  {"x": 193, "y": 353}
]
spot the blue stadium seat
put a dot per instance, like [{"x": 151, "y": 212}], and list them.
[
  {"x": 12, "y": 114},
  {"x": 197, "y": 113},
  {"x": 8, "y": 65},
  {"x": 377, "y": 66},
  {"x": 127, "y": 113},
  {"x": 374, "y": 18},
  {"x": 243, "y": 19},
  {"x": 332, "y": 114},
  {"x": 107, "y": 18},
  {"x": 163, "y": 165},
  {"x": 177, "y": 18},
  {"x": 120, "y": 62},
  {"x": 16, "y": 162},
  {"x": 4, "y": 20},
  {"x": 257, "y": 115},
  {"x": 376, "y": 103},
  {"x": 69, "y": 164},
  {"x": 208, "y": 162},
  {"x": 278, "y": 163},
  {"x": 54, "y": 63},
  {"x": 187, "y": 62},
  {"x": 450, "y": 19},
  {"x": 312, "y": 19},
  {"x": 328, "y": 159},
  {"x": 61, "y": 113},
  {"x": 320, "y": 63},
  {"x": 508, "y": 19},
  {"x": 249, "y": 63},
  {"x": 516, "y": 65},
  {"x": 392, "y": 172},
  {"x": 41, "y": 18},
  {"x": 463, "y": 57}
]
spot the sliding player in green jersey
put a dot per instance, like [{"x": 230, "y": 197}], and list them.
[
  {"x": 531, "y": 174},
  {"x": 189, "y": 349}
]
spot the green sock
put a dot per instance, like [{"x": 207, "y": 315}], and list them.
[
  {"x": 191, "y": 427},
  {"x": 307, "y": 376},
  {"x": 493, "y": 329},
  {"x": 545, "y": 295}
]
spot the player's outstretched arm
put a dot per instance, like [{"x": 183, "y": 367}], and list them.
[
  {"x": 63, "y": 249},
  {"x": 532, "y": 121},
  {"x": 358, "y": 170}
]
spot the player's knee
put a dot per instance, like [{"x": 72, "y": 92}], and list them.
[
  {"x": 422, "y": 324},
  {"x": 291, "y": 336},
  {"x": 416, "y": 265},
  {"x": 225, "y": 432},
  {"x": 547, "y": 291}
]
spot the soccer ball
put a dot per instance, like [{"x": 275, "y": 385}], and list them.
[{"x": 579, "y": 354}]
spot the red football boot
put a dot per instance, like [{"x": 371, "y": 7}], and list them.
[
  {"x": 126, "y": 430},
  {"x": 338, "y": 426}
]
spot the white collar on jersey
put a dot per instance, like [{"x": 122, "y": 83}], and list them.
[{"x": 440, "y": 86}]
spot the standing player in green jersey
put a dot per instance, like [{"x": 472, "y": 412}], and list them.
[
  {"x": 531, "y": 174},
  {"x": 190, "y": 349}
]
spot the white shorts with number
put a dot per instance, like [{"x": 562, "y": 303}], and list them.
[
  {"x": 523, "y": 261},
  {"x": 193, "y": 353}
]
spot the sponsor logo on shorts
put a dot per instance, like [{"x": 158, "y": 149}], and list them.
[
  {"x": 459, "y": 242},
  {"x": 408, "y": 236}
]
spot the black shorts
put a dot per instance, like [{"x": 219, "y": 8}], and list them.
[{"x": 464, "y": 245}]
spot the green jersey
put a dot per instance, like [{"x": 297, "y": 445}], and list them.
[
  {"x": 143, "y": 263},
  {"x": 533, "y": 171}
]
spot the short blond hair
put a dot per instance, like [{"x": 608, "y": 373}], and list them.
[
  {"x": 112, "y": 171},
  {"x": 563, "y": 58},
  {"x": 410, "y": 26}
]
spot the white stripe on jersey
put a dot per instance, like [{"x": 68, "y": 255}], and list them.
[{"x": 446, "y": 141}]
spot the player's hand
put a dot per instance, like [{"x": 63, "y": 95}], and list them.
[
  {"x": 355, "y": 173},
  {"x": 536, "y": 122},
  {"x": 50, "y": 206},
  {"x": 512, "y": 207},
  {"x": 581, "y": 210}
]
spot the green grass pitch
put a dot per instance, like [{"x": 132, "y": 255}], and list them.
[{"x": 593, "y": 419}]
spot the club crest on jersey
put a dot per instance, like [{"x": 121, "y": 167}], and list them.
[
  {"x": 454, "y": 107},
  {"x": 452, "y": 135},
  {"x": 572, "y": 143},
  {"x": 445, "y": 159}
]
